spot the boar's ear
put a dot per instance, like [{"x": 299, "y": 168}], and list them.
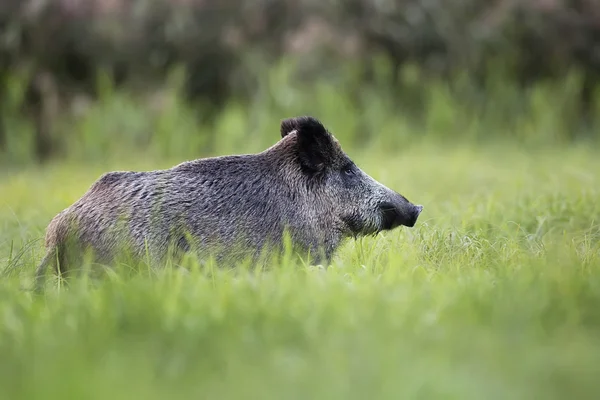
[
  {"x": 288, "y": 126},
  {"x": 315, "y": 145}
]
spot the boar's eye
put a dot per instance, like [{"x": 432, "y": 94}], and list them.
[{"x": 348, "y": 170}]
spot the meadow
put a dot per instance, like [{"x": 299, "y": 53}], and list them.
[{"x": 493, "y": 294}]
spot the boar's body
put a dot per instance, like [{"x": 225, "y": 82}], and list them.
[
  {"x": 223, "y": 201},
  {"x": 304, "y": 185}
]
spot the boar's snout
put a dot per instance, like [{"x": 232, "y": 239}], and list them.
[{"x": 399, "y": 212}]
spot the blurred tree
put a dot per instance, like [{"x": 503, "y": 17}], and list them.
[{"x": 64, "y": 45}]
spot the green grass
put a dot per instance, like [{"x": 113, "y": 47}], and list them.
[{"x": 493, "y": 295}]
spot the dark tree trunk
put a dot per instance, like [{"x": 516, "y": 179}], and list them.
[
  {"x": 41, "y": 104},
  {"x": 2, "y": 134}
]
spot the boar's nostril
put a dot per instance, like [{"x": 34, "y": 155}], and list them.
[
  {"x": 394, "y": 216},
  {"x": 415, "y": 215}
]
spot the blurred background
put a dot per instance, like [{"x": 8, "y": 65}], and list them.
[
  {"x": 487, "y": 112},
  {"x": 93, "y": 79}
]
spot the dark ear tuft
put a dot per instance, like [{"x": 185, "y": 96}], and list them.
[
  {"x": 305, "y": 124},
  {"x": 287, "y": 126},
  {"x": 315, "y": 145}
]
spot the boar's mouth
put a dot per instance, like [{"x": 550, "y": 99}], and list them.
[
  {"x": 393, "y": 216},
  {"x": 358, "y": 226}
]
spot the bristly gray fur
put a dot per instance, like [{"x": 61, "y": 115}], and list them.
[{"x": 304, "y": 184}]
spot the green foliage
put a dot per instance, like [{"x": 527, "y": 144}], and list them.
[{"x": 162, "y": 123}]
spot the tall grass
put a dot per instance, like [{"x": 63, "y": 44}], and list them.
[
  {"x": 494, "y": 294},
  {"x": 390, "y": 118}
]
